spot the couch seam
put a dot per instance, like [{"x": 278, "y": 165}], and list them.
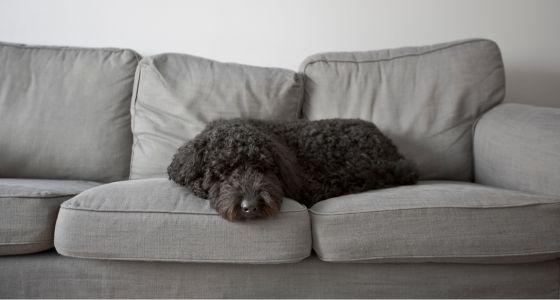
[
  {"x": 397, "y": 57},
  {"x": 133, "y": 121},
  {"x": 25, "y": 243},
  {"x": 72, "y": 48},
  {"x": 473, "y": 143},
  {"x": 312, "y": 212},
  {"x": 38, "y": 197},
  {"x": 291, "y": 260},
  {"x": 162, "y": 212},
  {"x": 441, "y": 256},
  {"x": 481, "y": 111}
]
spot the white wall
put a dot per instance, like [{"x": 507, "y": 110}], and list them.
[{"x": 283, "y": 32}]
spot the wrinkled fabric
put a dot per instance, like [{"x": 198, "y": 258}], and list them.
[
  {"x": 64, "y": 112},
  {"x": 437, "y": 222},
  {"x": 518, "y": 147},
  {"x": 28, "y": 210},
  {"x": 424, "y": 98},
  {"x": 155, "y": 219},
  {"x": 176, "y": 95}
]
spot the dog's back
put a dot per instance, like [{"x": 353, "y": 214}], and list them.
[{"x": 341, "y": 156}]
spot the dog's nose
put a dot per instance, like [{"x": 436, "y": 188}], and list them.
[{"x": 248, "y": 207}]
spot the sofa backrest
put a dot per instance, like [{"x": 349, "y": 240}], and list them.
[
  {"x": 176, "y": 95},
  {"x": 64, "y": 112},
  {"x": 425, "y": 98}
]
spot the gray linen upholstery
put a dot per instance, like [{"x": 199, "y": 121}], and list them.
[
  {"x": 437, "y": 222},
  {"x": 64, "y": 112},
  {"x": 155, "y": 219},
  {"x": 425, "y": 98},
  {"x": 177, "y": 95},
  {"x": 518, "y": 147},
  {"x": 28, "y": 210},
  {"x": 48, "y": 275}
]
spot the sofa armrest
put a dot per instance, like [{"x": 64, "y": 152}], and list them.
[{"x": 518, "y": 147}]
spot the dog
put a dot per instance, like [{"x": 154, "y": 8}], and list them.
[{"x": 245, "y": 167}]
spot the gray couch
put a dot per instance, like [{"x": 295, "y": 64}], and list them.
[{"x": 86, "y": 135}]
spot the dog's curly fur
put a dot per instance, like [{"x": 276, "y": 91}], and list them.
[{"x": 308, "y": 161}]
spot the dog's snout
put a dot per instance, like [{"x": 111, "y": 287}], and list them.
[{"x": 248, "y": 206}]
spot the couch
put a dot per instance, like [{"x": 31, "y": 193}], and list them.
[{"x": 86, "y": 209}]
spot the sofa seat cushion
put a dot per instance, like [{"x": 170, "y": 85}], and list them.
[
  {"x": 155, "y": 219},
  {"x": 437, "y": 222},
  {"x": 28, "y": 210}
]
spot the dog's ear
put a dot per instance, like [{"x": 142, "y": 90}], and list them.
[
  {"x": 211, "y": 186},
  {"x": 186, "y": 166},
  {"x": 291, "y": 174}
]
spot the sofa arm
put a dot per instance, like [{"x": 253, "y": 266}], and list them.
[{"x": 518, "y": 147}]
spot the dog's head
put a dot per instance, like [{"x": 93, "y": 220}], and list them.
[
  {"x": 246, "y": 193},
  {"x": 244, "y": 172}
]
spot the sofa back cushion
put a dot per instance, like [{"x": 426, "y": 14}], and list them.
[
  {"x": 64, "y": 112},
  {"x": 425, "y": 98},
  {"x": 176, "y": 95}
]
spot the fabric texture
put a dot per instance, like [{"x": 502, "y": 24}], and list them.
[
  {"x": 64, "y": 112},
  {"x": 28, "y": 210},
  {"x": 437, "y": 222},
  {"x": 518, "y": 147},
  {"x": 425, "y": 99},
  {"x": 177, "y": 95},
  {"x": 155, "y": 219},
  {"x": 48, "y": 275}
]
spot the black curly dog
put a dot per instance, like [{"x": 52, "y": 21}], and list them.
[{"x": 245, "y": 167}]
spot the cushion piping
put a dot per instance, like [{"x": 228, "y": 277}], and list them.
[
  {"x": 70, "y": 48},
  {"x": 287, "y": 260},
  {"x": 39, "y": 196},
  {"x": 434, "y": 207},
  {"x": 442, "y": 256},
  {"x": 325, "y": 60},
  {"x": 25, "y": 243},
  {"x": 160, "y": 212}
]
